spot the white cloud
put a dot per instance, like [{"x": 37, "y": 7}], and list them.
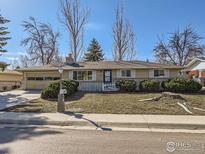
[
  {"x": 21, "y": 53},
  {"x": 12, "y": 58}
]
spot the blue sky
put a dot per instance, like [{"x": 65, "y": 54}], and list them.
[{"x": 150, "y": 18}]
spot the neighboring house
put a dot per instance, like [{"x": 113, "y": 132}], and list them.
[
  {"x": 97, "y": 76},
  {"x": 10, "y": 80},
  {"x": 196, "y": 69}
]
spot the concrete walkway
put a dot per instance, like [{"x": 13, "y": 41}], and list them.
[
  {"x": 105, "y": 121},
  {"x": 16, "y": 97}
]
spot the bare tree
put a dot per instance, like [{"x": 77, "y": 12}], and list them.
[
  {"x": 74, "y": 18},
  {"x": 41, "y": 43},
  {"x": 124, "y": 37},
  {"x": 132, "y": 53},
  {"x": 181, "y": 47}
]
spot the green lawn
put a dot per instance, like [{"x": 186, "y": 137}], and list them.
[{"x": 118, "y": 103}]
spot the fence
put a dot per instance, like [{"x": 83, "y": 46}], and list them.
[
  {"x": 96, "y": 86},
  {"x": 90, "y": 86}
]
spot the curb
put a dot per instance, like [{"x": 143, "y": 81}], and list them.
[{"x": 107, "y": 124}]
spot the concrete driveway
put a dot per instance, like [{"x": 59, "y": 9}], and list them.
[{"x": 16, "y": 97}]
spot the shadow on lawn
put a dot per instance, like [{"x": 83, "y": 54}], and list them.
[
  {"x": 74, "y": 97},
  {"x": 80, "y": 116}
]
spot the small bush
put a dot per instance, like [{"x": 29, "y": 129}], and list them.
[
  {"x": 14, "y": 87},
  {"x": 182, "y": 85},
  {"x": 193, "y": 86},
  {"x": 4, "y": 88},
  {"x": 126, "y": 85},
  {"x": 149, "y": 85},
  {"x": 53, "y": 89}
]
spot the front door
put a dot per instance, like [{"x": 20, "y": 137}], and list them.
[{"x": 107, "y": 76}]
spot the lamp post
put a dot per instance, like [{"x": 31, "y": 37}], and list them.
[{"x": 61, "y": 105}]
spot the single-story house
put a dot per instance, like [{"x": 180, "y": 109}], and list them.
[
  {"x": 97, "y": 76},
  {"x": 10, "y": 79},
  {"x": 196, "y": 69}
]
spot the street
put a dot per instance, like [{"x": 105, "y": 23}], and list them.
[{"x": 23, "y": 140}]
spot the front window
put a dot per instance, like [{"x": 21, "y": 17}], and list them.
[
  {"x": 126, "y": 73},
  {"x": 82, "y": 75},
  {"x": 158, "y": 73}
]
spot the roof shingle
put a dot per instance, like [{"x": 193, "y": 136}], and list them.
[{"x": 104, "y": 65}]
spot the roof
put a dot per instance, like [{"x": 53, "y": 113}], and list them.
[
  {"x": 195, "y": 64},
  {"x": 103, "y": 65},
  {"x": 202, "y": 59},
  {"x": 11, "y": 72}
]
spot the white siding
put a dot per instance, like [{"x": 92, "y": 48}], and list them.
[
  {"x": 133, "y": 73},
  {"x": 94, "y": 75},
  {"x": 70, "y": 75},
  {"x": 118, "y": 73},
  {"x": 166, "y": 73},
  {"x": 151, "y": 73}
]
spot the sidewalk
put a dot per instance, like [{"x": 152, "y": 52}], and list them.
[{"x": 105, "y": 120}]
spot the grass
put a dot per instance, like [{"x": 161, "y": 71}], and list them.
[
  {"x": 117, "y": 103},
  {"x": 122, "y": 103},
  {"x": 36, "y": 105}
]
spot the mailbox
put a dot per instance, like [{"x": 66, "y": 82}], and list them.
[{"x": 63, "y": 91}]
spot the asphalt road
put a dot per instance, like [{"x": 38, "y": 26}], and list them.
[{"x": 49, "y": 140}]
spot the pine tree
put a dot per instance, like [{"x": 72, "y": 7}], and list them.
[
  {"x": 94, "y": 52},
  {"x": 3, "y": 33},
  {"x": 3, "y": 39}
]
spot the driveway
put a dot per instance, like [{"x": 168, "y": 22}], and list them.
[{"x": 16, "y": 97}]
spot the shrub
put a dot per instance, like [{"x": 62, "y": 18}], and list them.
[
  {"x": 53, "y": 89},
  {"x": 149, "y": 85},
  {"x": 182, "y": 85},
  {"x": 14, "y": 87},
  {"x": 4, "y": 88},
  {"x": 193, "y": 86},
  {"x": 126, "y": 85}
]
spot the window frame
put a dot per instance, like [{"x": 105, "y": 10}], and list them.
[
  {"x": 84, "y": 75},
  {"x": 159, "y": 73},
  {"x": 126, "y": 74}
]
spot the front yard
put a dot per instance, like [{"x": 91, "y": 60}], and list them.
[{"x": 119, "y": 103}]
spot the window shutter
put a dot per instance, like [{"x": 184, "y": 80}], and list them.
[
  {"x": 133, "y": 73},
  {"x": 151, "y": 73},
  {"x": 70, "y": 75},
  {"x": 166, "y": 73},
  {"x": 118, "y": 73},
  {"x": 94, "y": 75}
]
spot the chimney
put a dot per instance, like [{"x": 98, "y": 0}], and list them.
[{"x": 69, "y": 59}]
